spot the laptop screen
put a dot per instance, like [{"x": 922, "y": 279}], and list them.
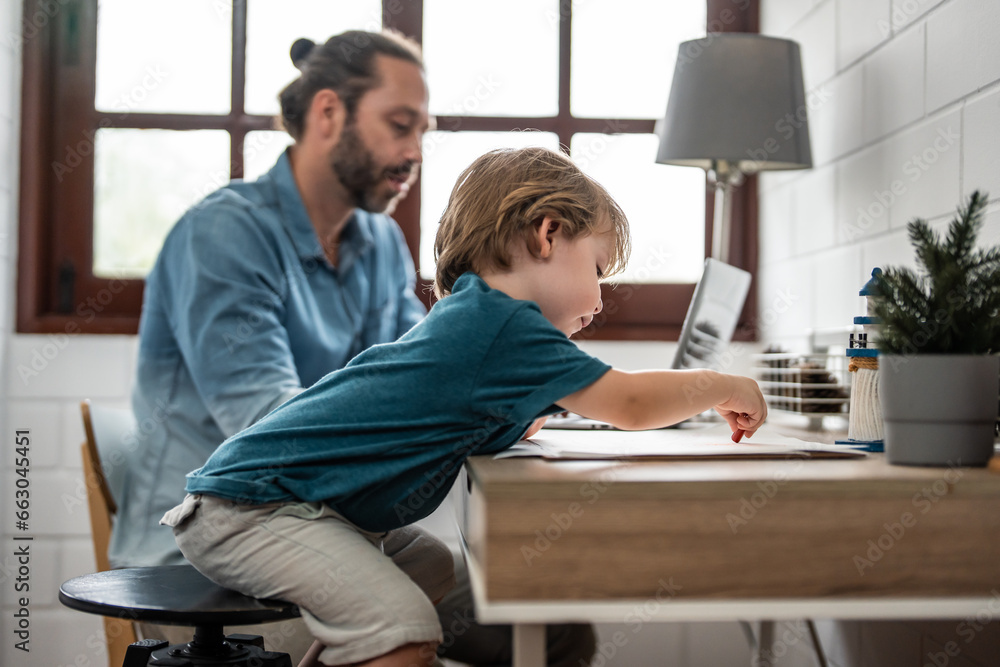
[{"x": 712, "y": 315}]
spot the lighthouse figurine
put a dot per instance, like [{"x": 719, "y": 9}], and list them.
[{"x": 864, "y": 428}]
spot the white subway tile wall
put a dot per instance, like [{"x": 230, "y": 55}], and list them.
[
  {"x": 785, "y": 296},
  {"x": 861, "y": 26},
  {"x": 925, "y": 159},
  {"x": 981, "y": 158},
  {"x": 776, "y": 231},
  {"x": 70, "y": 367},
  {"x": 894, "y": 85},
  {"x": 905, "y": 12},
  {"x": 963, "y": 54},
  {"x": 813, "y": 220},
  {"x": 817, "y": 38},
  {"x": 864, "y": 196},
  {"x": 847, "y": 135},
  {"x": 911, "y": 127},
  {"x": 782, "y": 15}
]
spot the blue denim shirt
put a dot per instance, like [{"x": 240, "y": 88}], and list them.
[{"x": 241, "y": 312}]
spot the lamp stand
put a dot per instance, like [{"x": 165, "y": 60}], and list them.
[{"x": 724, "y": 176}]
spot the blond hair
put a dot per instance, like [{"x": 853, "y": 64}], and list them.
[{"x": 499, "y": 198}]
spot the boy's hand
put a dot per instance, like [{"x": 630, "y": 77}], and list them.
[
  {"x": 745, "y": 409},
  {"x": 534, "y": 428}
]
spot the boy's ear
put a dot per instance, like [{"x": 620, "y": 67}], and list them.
[{"x": 545, "y": 231}]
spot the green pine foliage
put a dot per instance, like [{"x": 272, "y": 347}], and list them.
[{"x": 953, "y": 305}]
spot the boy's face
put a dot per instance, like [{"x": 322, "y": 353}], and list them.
[{"x": 569, "y": 290}]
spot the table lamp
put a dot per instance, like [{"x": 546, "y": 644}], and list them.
[{"x": 737, "y": 106}]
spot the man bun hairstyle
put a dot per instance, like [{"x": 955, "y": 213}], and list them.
[
  {"x": 301, "y": 48},
  {"x": 499, "y": 198},
  {"x": 345, "y": 64}
]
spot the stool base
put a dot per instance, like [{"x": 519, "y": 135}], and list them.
[{"x": 208, "y": 649}]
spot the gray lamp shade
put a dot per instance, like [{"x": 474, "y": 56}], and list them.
[{"x": 737, "y": 97}]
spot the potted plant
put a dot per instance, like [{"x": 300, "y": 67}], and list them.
[{"x": 938, "y": 344}]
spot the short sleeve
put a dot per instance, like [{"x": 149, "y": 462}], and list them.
[{"x": 530, "y": 366}]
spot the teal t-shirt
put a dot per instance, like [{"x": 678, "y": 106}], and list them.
[{"x": 383, "y": 439}]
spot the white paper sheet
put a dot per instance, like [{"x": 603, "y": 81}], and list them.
[{"x": 714, "y": 441}]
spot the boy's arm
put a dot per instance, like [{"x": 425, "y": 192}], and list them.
[{"x": 653, "y": 399}]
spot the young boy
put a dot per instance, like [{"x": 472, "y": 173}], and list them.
[{"x": 313, "y": 503}]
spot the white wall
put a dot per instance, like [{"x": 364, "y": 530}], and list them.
[
  {"x": 905, "y": 122},
  {"x": 904, "y": 105}
]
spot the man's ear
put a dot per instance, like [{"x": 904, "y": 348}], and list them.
[
  {"x": 327, "y": 115},
  {"x": 545, "y": 231}
]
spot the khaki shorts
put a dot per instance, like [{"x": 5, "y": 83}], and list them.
[{"x": 361, "y": 594}]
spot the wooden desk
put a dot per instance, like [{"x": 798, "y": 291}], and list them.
[{"x": 726, "y": 540}]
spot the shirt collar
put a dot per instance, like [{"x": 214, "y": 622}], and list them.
[{"x": 355, "y": 238}]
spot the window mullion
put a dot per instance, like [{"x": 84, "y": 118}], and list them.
[
  {"x": 407, "y": 17},
  {"x": 564, "y": 118},
  {"x": 71, "y": 175},
  {"x": 237, "y": 113}
]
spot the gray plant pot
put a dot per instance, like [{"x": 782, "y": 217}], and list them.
[{"x": 939, "y": 409}]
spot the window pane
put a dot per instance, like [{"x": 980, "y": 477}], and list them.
[
  {"x": 172, "y": 56},
  {"x": 492, "y": 58},
  {"x": 261, "y": 150},
  {"x": 273, "y": 26},
  {"x": 137, "y": 199},
  {"x": 624, "y": 52},
  {"x": 665, "y": 205},
  {"x": 446, "y": 154}
]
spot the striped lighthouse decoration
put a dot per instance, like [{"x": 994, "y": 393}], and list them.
[{"x": 864, "y": 427}]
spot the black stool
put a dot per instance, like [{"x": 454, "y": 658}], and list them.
[{"x": 180, "y": 595}]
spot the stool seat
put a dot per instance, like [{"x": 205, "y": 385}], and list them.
[
  {"x": 168, "y": 595},
  {"x": 180, "y": 595}
]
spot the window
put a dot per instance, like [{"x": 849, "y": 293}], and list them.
[{"x": 103, "y": 97}]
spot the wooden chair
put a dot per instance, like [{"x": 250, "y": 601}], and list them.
[{"x": 103, "y": 471}]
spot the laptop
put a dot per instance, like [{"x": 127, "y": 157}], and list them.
[{"x": 708, "y": 328}]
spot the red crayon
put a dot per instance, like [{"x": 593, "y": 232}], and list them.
[{"x": 737, "y": 435}]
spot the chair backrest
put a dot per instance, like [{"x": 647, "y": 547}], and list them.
[
  {"x": 103, "y": 452},
  {"x": 110, "y": 431}
]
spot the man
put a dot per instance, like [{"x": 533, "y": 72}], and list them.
[{"x": 263, "y": 288}]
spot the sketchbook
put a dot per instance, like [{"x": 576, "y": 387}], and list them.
[{"x": 714, "y": 442}]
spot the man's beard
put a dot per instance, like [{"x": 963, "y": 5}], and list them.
[{"x": 355, "y": 168}]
